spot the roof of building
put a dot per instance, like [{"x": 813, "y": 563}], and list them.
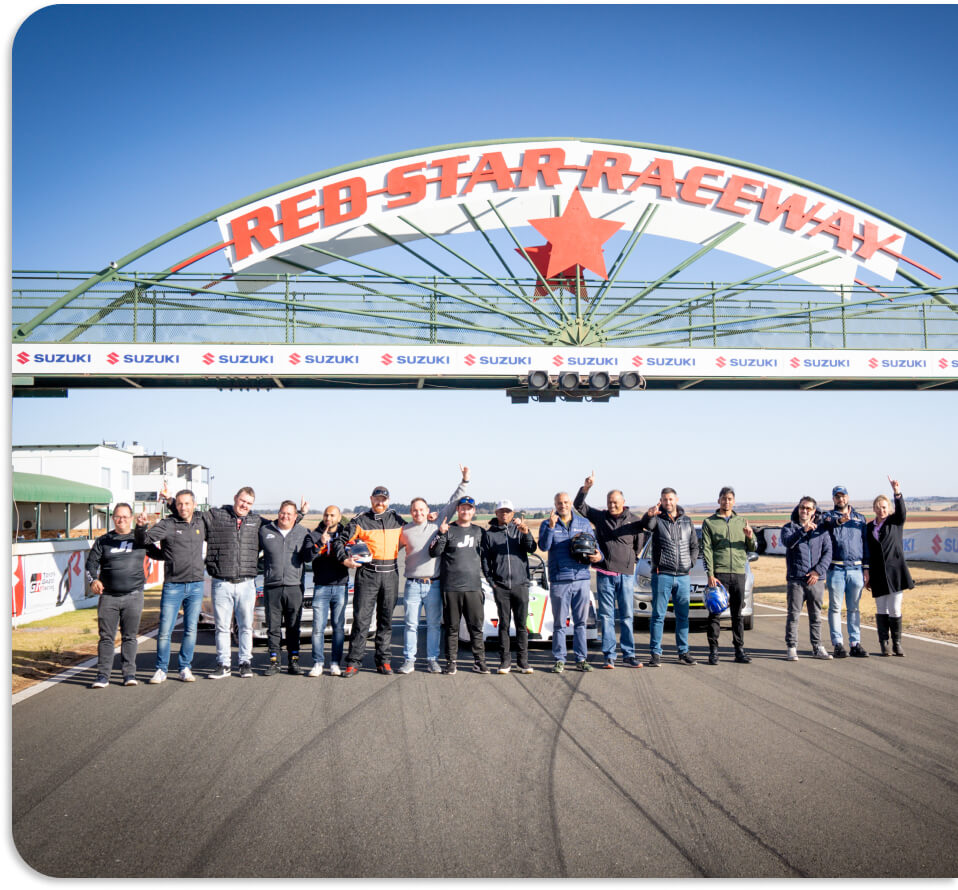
[{"x": 33, "y": 487}]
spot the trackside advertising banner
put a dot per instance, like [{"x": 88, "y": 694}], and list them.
[
  {"x": 49, "y": 578},
  {"x": 475, "y": 361},
  {"x": 929, "y": 544}
]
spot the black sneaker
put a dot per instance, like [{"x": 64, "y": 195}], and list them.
[
  {"x": 858, "y": 651},
  {"x": 655, "y": 660},
  {"x": 713, "y": 656},
  {"x": 480, "y": 668},
  {"x": 272, "y": 668},
  {"x": 451, "y": 668},
  {"x": 742, "y": 657},
  {"x": 222, "y": 670},
  {"x": 245, "y": 670},
  {"x": 293, "y": 666},
  {"x": 685, "y": 658},
  {"x": 839, "y": 651}
]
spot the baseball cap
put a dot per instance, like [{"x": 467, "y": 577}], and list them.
[
  {"x": 466, "y": 500},
  {"x": 505, "y": 505},
  {"x": 839, "y": 489},
  {"x": 380, "y": 491}
]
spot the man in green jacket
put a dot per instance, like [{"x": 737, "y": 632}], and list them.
[{"x": 727, "y": 539}]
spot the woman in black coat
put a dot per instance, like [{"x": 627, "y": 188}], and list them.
[{"x": 888, "y": 575}]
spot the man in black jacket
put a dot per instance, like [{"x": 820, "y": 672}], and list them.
[
  {"x": 619, "y": 539},
  {"x": 181, "y": 537},
  {"x": 505, "y": 549},
  {"x": 232, "y": 550},
  {"x": 675, "y": 549},
  {"x": 114, "y": 569},
  {"x": 287, "y": 550}
]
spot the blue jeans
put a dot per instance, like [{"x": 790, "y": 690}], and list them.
[
  {"x": 229, "y": 599},
  {"x": 419, "y": 593},
  {"x": 566, "y": 596},
  {"x": 844, "y": 584},
  {"x": 189, "y": 595},
  {"x": 663, "y": 587},
  {"x": 329, "y": 600},
  {"x": 615, "y": 591}
]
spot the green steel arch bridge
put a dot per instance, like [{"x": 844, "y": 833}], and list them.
[{"x": 424, "y": 269}]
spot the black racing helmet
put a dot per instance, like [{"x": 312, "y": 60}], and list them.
[{"x": 582, "y": 546}]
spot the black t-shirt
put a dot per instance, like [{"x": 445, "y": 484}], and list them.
[{"x": 460, "y": 568}]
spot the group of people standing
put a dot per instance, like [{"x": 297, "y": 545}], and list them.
[{"x": 445, "y": 561}]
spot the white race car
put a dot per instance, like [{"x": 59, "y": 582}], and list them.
[{"x": 539, "y": 621}]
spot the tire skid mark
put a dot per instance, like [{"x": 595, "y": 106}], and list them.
[
  {"x": 248, "y": 803},
  {"x": 562, "y": 731},
  {"x": 919, "y": 810},
  {"x": 680, "y": 773}
]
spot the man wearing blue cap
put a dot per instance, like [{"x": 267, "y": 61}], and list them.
[{"x": 847, "y": 572}]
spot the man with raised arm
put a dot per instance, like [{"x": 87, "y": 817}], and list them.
[
  {"x": 569, "y": 581},
  {"x": 422, "y": 590},
  {"x": 620, "y": 538}
]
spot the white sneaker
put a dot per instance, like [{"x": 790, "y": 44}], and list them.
[
  {"x": 822, "y": 652},
  {"x": 504, "y": 670},
  {"x": 186, "y": 675},
  {"x": 130, "y": 681},
  {"x": 158, "y": 677},
  {"x": 100, "y": 683},
  {"x": 316, "y": 670},
  {"x": 407, "y": 667},
  {"x": 792, "y": 654},
  {"x": 334, "y": 669}
]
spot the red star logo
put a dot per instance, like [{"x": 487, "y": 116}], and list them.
[
  {"x": 539, "y": 257},
  {"x": 575, "y": 238}
]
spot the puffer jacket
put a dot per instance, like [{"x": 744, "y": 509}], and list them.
[
  {"x": 806, "y": 551},
  {"x": 848, "y": 538},
  {"x": 231, "y": 548},
  {"x": 675, "y": 545}
]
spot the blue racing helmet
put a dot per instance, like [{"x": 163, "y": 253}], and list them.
[{"x": 716, "y": 598}]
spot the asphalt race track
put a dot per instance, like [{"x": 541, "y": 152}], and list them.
[{"x": 838, "y": 768}]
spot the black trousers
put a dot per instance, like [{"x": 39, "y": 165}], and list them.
[
  {"x": 735, "y": 585},
  {"x": 455, "y": 605},
  {"x": 379, "y": 591},
  {"x": 284, "y": 608},
  {"x": 125, "y": 611},
  {"x": 513, "y": 605}
]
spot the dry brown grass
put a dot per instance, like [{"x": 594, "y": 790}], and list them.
[
  {"x": 42, "y": 649},
  {"x": 930, "y": 609}
]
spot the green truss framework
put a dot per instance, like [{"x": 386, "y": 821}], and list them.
[{"x": 455, "y": 300}]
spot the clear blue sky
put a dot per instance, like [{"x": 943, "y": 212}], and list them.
[{"x": 129, "y": 121}]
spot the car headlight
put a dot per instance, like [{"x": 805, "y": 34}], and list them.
[{"x": 643, "y": 583}]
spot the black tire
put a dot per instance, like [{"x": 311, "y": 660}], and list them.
[{"x": 748, "y": 622}]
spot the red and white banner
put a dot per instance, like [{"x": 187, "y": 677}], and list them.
[
  {"x": 478, "y": 361},
  {"x": 927, "y": 544},
  {"x": 49, "y": 577}
]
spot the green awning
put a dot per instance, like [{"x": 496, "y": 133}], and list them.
[{"x": 32, "y": 487}]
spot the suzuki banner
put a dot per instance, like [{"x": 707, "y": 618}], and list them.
[{"x": 241, "y": 361}]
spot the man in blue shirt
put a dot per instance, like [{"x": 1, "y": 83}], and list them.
[
  {"x": 569, "y": 581},
  {"x": 847, "y": 573}
]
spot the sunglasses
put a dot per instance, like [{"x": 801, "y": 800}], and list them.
[{"x": 466, "y": 502}]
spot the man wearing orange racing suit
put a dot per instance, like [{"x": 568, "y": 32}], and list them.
[{"x": 376, "y": 582}]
